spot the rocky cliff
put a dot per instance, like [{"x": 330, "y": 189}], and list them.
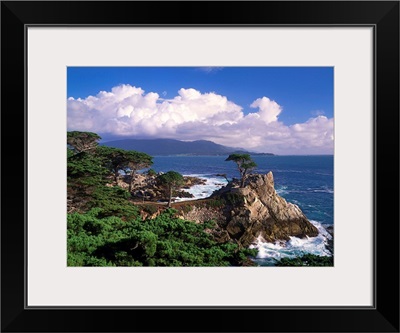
[
  {"x": 257, "y": 210},
  {"x": 242, "y": 214}
]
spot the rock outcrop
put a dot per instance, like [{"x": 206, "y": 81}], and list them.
[
  {"x": 242, "y": 214},
  {"x": 256, "y": 210}
]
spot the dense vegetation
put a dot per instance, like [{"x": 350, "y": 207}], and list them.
[
  {"x": 306, "y": 260},
  {"x": 105, "y": 227},
  {"x": 164, "y": 241}
]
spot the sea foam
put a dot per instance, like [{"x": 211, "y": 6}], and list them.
[
  {"x": 269, "y": 253},
  {"x": 203, "y": 191}
]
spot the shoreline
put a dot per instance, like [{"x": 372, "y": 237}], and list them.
[
  {"x": 269, "y": 252},
  {"x": 326, "y": 231}
]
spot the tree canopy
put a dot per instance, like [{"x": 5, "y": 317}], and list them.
[
  {"x": 82, "y": 141},
  {"x": 244, "y": 163},
  {"x": 131, "y": 161},
  {"x": 171, "y": 181}
]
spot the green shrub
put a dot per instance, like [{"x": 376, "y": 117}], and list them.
[
  {"x": 113, "y": 202},
  {"x": 163, "y": 241},
  {"x": 187, "y": 208},
  {"x": 306, "y": 260},
  {"x": 149, "y": 208},
  {"x": 215, "y": 203}
]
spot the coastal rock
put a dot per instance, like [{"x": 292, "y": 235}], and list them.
[
  {"x": 256, "y": 210},
  {"x": 191, "y": 181},
  {"x": 145, "y": 186}
]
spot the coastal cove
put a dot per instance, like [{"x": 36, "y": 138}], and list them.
[{"x": 306, "y": 181}]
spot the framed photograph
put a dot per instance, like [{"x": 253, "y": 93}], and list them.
[{"x": 235, "y": 165}]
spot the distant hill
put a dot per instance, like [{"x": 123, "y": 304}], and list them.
[{"x": 174, "y": 147}]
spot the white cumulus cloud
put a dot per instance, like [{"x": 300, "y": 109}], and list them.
[
  {"x": 129, "y": 111},
  {"x": 268, "y": 110}
]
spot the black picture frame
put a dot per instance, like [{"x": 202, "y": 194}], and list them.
[{"x": 383, "y": 316}]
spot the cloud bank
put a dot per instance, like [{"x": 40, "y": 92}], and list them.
[{"x": 128, "y": 111}]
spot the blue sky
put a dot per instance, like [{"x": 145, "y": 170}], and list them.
[{"x": 275, "y": 106}]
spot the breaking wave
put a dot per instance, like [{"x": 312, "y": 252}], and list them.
[
  {"x": 201, "y": 191},
  {"x": 269, "y": 253}
]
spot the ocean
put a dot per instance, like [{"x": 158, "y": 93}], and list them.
[{"x": 306, "y": 181}]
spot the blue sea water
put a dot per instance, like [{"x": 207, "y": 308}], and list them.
[{"x": 306, "y": 181}]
